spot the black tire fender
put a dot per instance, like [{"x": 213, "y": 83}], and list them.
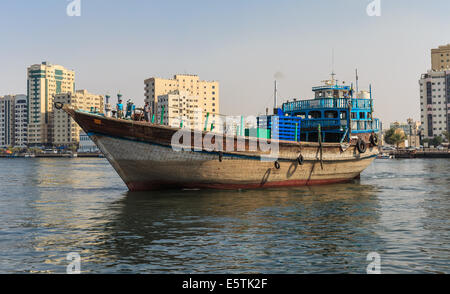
[
  {"x": 277, "y": 165},
  {"x": 374, "y": 139},
  {"x": 361, "y": 146}
]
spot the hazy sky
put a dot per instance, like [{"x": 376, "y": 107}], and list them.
[{"x": 115, "y": 45}]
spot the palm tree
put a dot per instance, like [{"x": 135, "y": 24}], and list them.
[
  {"x": 398, "y": 138},
  {"x": 392, "y": 136},
  {"x": 446, "y": 135}
]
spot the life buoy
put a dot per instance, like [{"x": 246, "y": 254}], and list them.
[
  {"x": 361, "y": 145},
  {"x": 277, "y": 165},
  {"x": 374, "y": 139},
  {"x": 300, "y": 159}
]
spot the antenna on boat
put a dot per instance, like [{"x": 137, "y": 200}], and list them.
[
  {"x": 357, "y": 78},
  {"x": 332, "y": 66},
  {"x": 275, "y": 98}
]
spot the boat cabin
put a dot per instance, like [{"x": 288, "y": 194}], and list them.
[{"x": 335, "y": 114}]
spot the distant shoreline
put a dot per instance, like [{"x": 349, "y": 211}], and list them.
[
  {"x": 77, "y": 155},
  {"x": 420, "y": 154}
]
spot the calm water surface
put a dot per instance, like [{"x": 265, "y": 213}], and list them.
[{"x": 50, "y": 207}]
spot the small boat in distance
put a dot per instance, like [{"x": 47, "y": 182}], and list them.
[
  {"x": 385, "y": 156},
  {"x": 329, "y": 139}
]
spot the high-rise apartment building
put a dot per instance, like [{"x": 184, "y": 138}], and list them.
[
  {"x": 44, "y": 81},
  {"x": 440, "y": 58},
  {"x": 21, "y": 121},
  {"x": 6, "y": 121},
  {"x": 434, "y": 103},
  {"x": 65, "y": 130},
  {"x": 13, "y": 121},
  {"x": 206, "y": 92}
]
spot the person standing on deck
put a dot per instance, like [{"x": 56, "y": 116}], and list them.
[
  {"x": 146, "y": 112},
  {"x": 119, "y": 108}
]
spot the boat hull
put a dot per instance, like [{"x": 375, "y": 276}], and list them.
[
  {"x": 143, "y": 156},
  {"x": 146, "y": 166}
]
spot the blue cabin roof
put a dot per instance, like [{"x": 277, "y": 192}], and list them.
[{"x": 332, "y": 87}]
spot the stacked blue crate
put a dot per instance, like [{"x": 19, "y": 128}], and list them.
[{"x": 286, "y": 128}]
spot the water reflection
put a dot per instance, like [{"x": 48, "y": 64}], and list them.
[
  {"x": 436, "y": 219},
  {"x": 246, "y": 231}
]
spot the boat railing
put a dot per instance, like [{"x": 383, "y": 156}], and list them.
[
  {"x": 356, "y": 103},
  {"x": 331, "y": 87},
  {"x": 323, "y": 122},
  {"x": 365, "y": 126}
]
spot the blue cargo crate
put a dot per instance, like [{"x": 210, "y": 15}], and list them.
[{"x": 286, "y": 128}]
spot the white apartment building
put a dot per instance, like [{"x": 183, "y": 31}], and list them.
[
  {"x": 44, "y": 81},
  {"x": 434, "y": 103},
  {"x": 21, "y": 121},
  {"x": 13, "y": 121}
]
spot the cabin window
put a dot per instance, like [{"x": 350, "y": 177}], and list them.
[
  {"x": 343, "y": 115},
  {"x": 354, "y": 115},
  {"x": 331, "y": 114},
  {"x": 362, "y": 115},
  {"x": 315, "y": 114},
  {"x": 302, "y": 115},
  {"x": 361, "y": 125}
]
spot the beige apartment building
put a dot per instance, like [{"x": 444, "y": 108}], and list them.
[
  {"x": 440, "y": 58},
  {"x": 66, "y": 131},
  {"x": 206, "y": 92},
  {"x": 44, "y": 81},
  {"x": 180, "y": 108}
]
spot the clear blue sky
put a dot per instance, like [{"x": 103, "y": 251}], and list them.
[{"x": 115, "y": 45}]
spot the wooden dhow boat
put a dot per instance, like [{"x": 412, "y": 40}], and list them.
[{"x": 145, "y": 156}]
